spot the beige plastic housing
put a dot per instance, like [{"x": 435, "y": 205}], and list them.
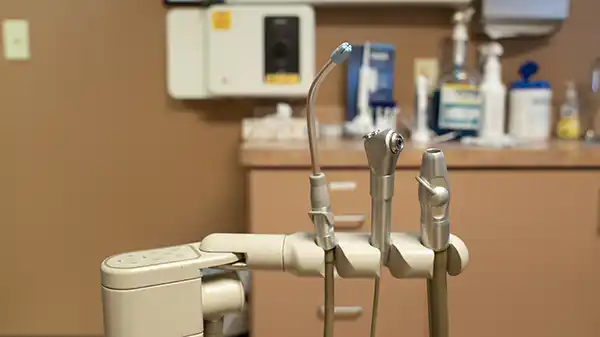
[
  {"x": 355, "y": 257},
  {"x": 161, "y": 292}
]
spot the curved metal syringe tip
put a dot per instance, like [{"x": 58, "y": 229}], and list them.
[{"x": 338, "y": 56}]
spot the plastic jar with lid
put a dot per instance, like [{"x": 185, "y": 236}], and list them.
[{"x": 530, "y": 107}]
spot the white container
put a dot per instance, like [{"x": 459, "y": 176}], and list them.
[
  {"x": 530, "y": 114},
  {"x": 530, "y": 107}
]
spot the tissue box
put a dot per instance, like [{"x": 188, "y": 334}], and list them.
[{"x": 270, "y": 128}]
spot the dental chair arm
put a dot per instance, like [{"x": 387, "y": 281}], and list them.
[{"x": 163, "y": 293}]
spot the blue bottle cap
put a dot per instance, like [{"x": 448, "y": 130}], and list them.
[{"x": 526, "y": 71}]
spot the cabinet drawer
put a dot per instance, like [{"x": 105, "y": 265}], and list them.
[
  {"x": 285, "y": 305},
  {"x": 279, "y": 201}
]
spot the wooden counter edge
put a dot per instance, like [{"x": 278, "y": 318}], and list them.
[{"x": 349, "y": 154}]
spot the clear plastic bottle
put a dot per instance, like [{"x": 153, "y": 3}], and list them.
[
  {"x": 593, "y": 111},
  {"x": 457, "y": 103},
  {"x": 568, "y": 126}
]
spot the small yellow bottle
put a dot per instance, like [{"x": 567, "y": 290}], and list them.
[{"x": 568, "y": 126}]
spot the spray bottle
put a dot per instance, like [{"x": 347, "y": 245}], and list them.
[
  {"x": 493, "y": 91},
  {"x": 494, "y": 95},
  {"x": 458, "y": 102}
]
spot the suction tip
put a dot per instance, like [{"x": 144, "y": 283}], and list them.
[{"x": 340, "y": 54}]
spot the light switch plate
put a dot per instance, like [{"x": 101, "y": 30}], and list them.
[
  {"x": 428, "y": 67},
  {"x": 15, "y": 37}
]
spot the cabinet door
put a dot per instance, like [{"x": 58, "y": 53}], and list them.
[{"x": 534, "y": 247}]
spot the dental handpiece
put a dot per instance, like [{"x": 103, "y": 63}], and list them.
[
  {"x": 434, "y": 199},
  {"x": 382, "y": 149},
  {"x": 320, "y": 204}
]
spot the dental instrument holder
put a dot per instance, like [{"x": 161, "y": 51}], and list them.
[{"x": 163, "y": 293}]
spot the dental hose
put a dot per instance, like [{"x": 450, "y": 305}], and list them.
[
  {"x": 437, "y": 296},
  {"x": 381, "y": 214},
  {"x": 375, "y": 310},
  {"x": 329, "y": 293},
  {"x": 320, "y": 204}
]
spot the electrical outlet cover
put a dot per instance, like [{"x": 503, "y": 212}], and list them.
[
  {"x": 15, "y": 34},
  {"x": 428, "y": 67}
]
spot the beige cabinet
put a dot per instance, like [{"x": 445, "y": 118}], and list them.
[
  {"x": 535, "y": 250},
  {"x": 532, "y": 234}
]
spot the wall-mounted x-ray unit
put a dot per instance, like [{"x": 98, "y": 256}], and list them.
[{"x": 240, "y": 51}]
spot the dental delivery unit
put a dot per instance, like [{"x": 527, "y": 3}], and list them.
[{"x": 163, "y": 293}]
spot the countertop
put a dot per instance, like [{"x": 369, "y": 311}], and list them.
[{"x": 339, "y": 153}]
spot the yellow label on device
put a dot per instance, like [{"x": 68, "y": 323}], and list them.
[
  {"x": 221, "y": 20},
  {"x": 283, "y": 78}
]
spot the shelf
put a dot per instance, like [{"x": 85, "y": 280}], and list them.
[
  {"x": 318, "y": 3},
  {"x": 340, "y": 153}
]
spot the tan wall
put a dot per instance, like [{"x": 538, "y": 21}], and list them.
[{"x": 96, "y": 159}]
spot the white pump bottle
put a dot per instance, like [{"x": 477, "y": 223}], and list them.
[
  {"x": 494, "y": 94},
  {"x": 491, "y": 131},
  {"x": 460, "y": 35}
]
